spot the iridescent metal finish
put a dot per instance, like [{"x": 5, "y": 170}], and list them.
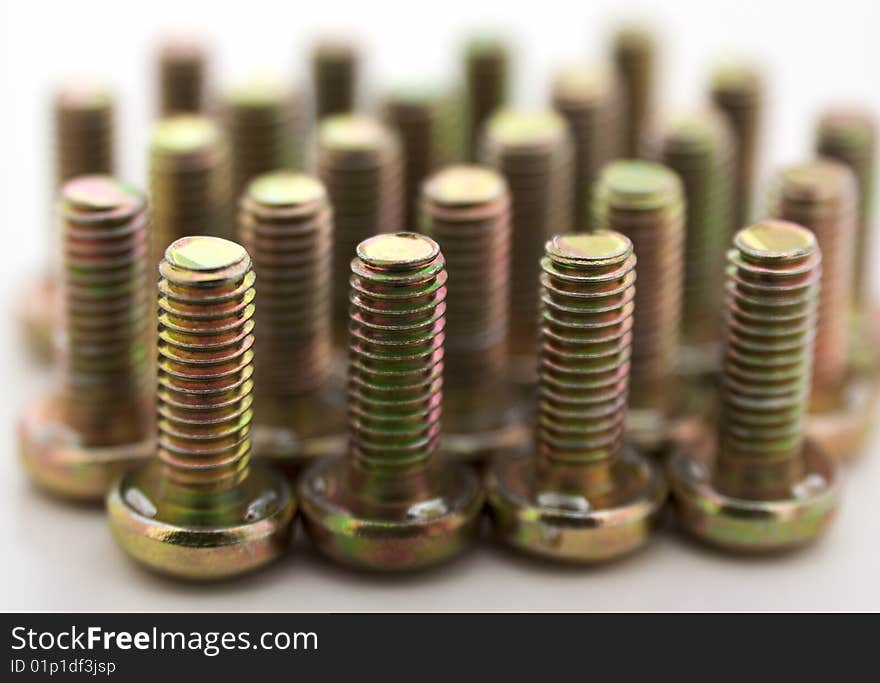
[
  {"x": 78, "y": 440},
  {"x": 760, "y": 485},
  {"x": 635, "y": 54},
  {"x": 645, "y": 202},
  {"x": 182, "y": 76},
  {"x": 335, "y": 67},
  {"x": 486, "y": 76},
  {"x": 466, "y": 209},
  {"x": 391, "y": 504},
  {"x": 359, "y": 163},
  {"x": 589, "y": 100},
  {"x": 583, "y": 496},
  {"x": 286, "y": 224},
  {"x": 201, "y": 509}
]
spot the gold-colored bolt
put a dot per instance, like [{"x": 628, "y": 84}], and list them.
[
  {"x": 466, "y": 209},
  {"x": 634, "y": 54},
  {"x": 78, "y": 440},
  {"x": 286, "y": 224},
  {"x": 487, "y": 77},
  {"x": 759, "y": 485},
  {"x": 583, "y": 496},
  {"x": 360, "y": 165},
  {"x": 201, "y": 509},
  {"x": 589, "y": 100},
  {"x": 182, "y": 76},
  {"x": 335, "y": 67},
  {"x": 190, "y": 182},
  {"x": 644, "y": 201},
  {"x": 391, "y": 504}
]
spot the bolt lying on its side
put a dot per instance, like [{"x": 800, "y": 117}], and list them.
[
  {"x": 584, "y": 496},
  {"x": 76, "y": 442},
  {"x": 759, "y": 485},
  {"x": 391, "y": 504},
  {"x": 201, "y": 509}
]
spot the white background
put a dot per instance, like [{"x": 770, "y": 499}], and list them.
[{"x": 60, "y": 557}]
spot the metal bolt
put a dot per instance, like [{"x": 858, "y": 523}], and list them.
[
  {"x": 78, "y": 440},
  {"x": 182, "y": 76},
  {"x": 466, "y": 209},
  {"x": 583, "y": 496},
  {"x": 286, "y": 224},
  {"x": 392, "y": 504},
  {"x": 200, "y": 508},
  {"x": 737, "y": 91},
  {"x": 190, "y": 183},
  {"x": 265, "y": 124},
  {"x": 335, "y": 77},
  {"x": 486, "y": 75},
  {"x": 589, "y": 100},
  {"x": 760, "y": 485},
  {"x": 532, "y": 150},
  {"x": 644, "y": 201},
  {"x": 359, "y": 163},
  {"x": 821, "y": 196},
  {"x": 634, "y": 55}
]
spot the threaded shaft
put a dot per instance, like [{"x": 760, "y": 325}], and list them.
[
  {"x": 821, "y": 196},
  {"x": 181, "y": 76},
  {"x": 634, "y": 54},
  {"x": 770, "y": 316},
  {"x": 486, "y": 74},
  {"x": 106, "y": 311},
  {"x": 699, "y": 149},
  {"x": 644, "y": 201},
  {"x": 587, "y": 293},
  {"x": 850, "y": 137},
  {"x": 359, "y": 164},
  {"x": 286, "y": 226},
  {"x": 398, "y": 292},
  {"x": 737, "y": 91},
  {"x": 206, "y": 309},
  {"x": 466, "y": 209},
  {"x": 84, "y": 135},
  {"x": 265, "y": 123},
  {"x": 189, "y": 181},
  {"x": 589, "y": 100},
  {"x": 532, "y": 150},
  {"x": 335, "y": 76}
]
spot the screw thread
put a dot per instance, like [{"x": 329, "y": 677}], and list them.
[
  {"x": 182, "y": 67},
  {"x": 286, "y": 226},
  {"x": 850, "y": 137},
  {"x": 84, "y": 135},
  {"x": 770, "y": 319},
  {"x": 398, "y": 292},
  {"x": 589, "y": 100},
  {"x": 821, "y": 196},
  {"x": 206, "y": 309},
  {"x": 190, "y": 182},
  {"x": 486, "y": 73},
  {"x": 587, "y": 294},
  {"x": 644, "y": 201},
  {"x": 106, "y": 311},
  {"x": 634, "y": 54},
  {"x": 334, "y": 74}
]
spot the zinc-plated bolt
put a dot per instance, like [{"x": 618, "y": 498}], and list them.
[
  {"x": 391, "y": 504},
  {"x": 644, "y": 201},
  {"x": 265, "y": 124},
  {"x": 589, "y": 100},
  {"x": 190, "y": 182},
  {"x": 760, "y": 485},
  {"x": 634, "y": 53},
  {"x": 359, "y": 163},
  {"x": 486, "y": 76},
  {"x": 532, "y": 150},
  {"x": 201, "y": 509},
  {"x": 335, "y": 77},
  {"x": 286, "y": 224},
  {"x": 583, "y": 496},
  {"x": 78, "y": 440},
  {"x": 821, "y": 196},
  {"x": 466, "y": 209},
  {"x": 182, "y": 67},
  {"x": 737, "y": 91},
  {"x": 699, "y": 148}
]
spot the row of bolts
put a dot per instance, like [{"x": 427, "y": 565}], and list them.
[{"x": 617, "y": 386}]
